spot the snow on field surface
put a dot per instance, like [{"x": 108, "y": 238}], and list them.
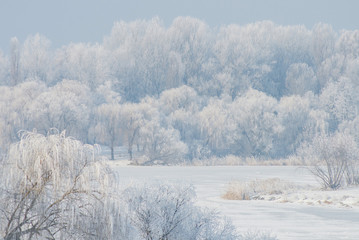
[{"x": 291, "y": 219}]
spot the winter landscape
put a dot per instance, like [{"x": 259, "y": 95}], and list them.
[{"x": 181, "y": 130}]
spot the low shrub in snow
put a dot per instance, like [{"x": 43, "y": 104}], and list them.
[
  {"x": 333, "y": 160},
  {"x": 166, "y": 211}
]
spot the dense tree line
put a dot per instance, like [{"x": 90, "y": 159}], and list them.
[{"x": 186, "y": 91}]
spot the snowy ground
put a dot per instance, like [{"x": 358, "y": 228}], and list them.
[{"x": 295, "y": 218}]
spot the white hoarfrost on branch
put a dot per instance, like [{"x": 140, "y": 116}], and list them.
[{"x": 46, "y": 183}]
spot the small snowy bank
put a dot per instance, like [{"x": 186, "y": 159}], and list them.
[
  {"x": 348, "y": 198},
  {"x": 277, "y": 190}
]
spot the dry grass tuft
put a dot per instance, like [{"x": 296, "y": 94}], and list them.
[
  {"x": 256, "y": 189},
  {"x": 231, "y": 160}
]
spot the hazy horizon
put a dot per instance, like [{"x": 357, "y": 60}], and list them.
[{"x": 66, "y": 21}]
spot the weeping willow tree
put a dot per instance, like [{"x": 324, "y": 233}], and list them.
[{"x": 47, "y": 182}]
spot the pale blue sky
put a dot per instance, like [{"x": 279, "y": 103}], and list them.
[{"x": 65, "y": 21}]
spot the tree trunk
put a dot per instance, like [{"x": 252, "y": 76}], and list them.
[
  {"x": 130, "y": 152},
  {"x": 112, "y": 152}
]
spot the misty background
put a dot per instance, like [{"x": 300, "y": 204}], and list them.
[{"x": 90, "y": 20}]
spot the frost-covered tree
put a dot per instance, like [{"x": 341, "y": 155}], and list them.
[
  {"x": 14, "y": 102},
  {"x": 352, "y": 71},
  {"x": 4, "y": 69},
  {"x": 133, "y": 121},
  {"x": 66, "y": 106},
  {"x": 350, "y": 128},
  {"x": 256, "y": 122},
  {"x": 8, "y": 121},
  {"x": 191, "y": 39},
  {"x": 181, "y": 107},
  {"x": 217, "y": 126},
  {"x": 294, "y": 115},
  {"x": 348, "y": 44},
  {"x": 140, "y": 58},
  {"x": 290, "y": 45},
  {"x": 331, "y": 70},
  {"x": 15, "y": 61},
  {"x": 108, "y": 127},
  {"x": 323, "y": 42},
  {"x": 156, "y": 141},
  {"x": 46, "y": 182},
  {"x": 105, "y": 94},
  {"x": 160, "y": 144},
  {"x": 184, "y": 97},
  {"x": 300, "y": 78},
  {"x": 153, "y": 64},
  {"x": 35, "y": 58},
  {"x": 85, "y": 63},
  {"x": 340, "y": 101}
]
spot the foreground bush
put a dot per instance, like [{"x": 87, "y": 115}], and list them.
[{"x": 161, "y": 211}]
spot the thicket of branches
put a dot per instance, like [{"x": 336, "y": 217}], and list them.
[
  {"x": 333, "y": 160},
  {"x": 184, "y": 92}
]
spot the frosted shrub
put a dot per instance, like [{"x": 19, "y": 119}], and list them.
[
  {"x": 45, "y": 182},
  {"x": 165, "y": 211},
  {"x": 333, "y": 160}
]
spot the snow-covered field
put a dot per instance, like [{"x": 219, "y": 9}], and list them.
[{"x": 307, "y": 214}]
